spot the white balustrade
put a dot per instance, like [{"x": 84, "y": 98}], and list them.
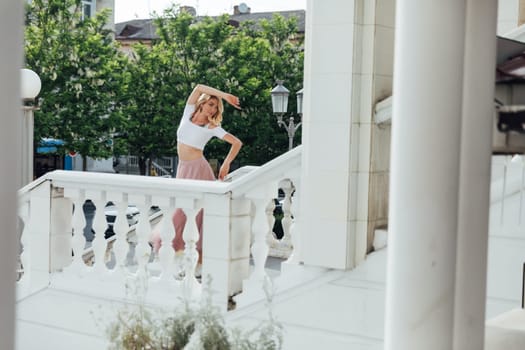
[
  {"x": 237, "y": 225},
  {"x": 228, "y": 228}
]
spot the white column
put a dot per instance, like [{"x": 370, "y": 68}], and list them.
[
  {"x": 326, "y": 229},
  {"x": 475, "y": 168},
  {"x": 11, "y": 15},
  {"x": 426, "y": 125}
]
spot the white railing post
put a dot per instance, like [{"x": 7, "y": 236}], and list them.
[
  {"x": 35, "y": 256},
  {"x": 226, "y": 246},
  {"x": 60, "y": 233},
  {"x": 234, "y": 213},
  {"x": 40, "y": 209}
]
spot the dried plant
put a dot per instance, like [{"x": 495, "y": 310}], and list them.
[{"x": 191, "y": 327}]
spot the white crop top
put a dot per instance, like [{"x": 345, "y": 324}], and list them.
[{"x": 193, "y": 134}]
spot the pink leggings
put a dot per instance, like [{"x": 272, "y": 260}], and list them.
[{"x": 198, "y": 169}]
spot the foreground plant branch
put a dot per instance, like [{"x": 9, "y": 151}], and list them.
[{"x": 191, "y": 327}]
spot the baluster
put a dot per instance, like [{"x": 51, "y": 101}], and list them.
[
  {"x": 287, "y": 214},
  {"x": 271, "y": 237},
  {"x": 143, "y": 249},
  {"x": 296, "y": 254},
  {"x": 260, "y": 247},
  {"x": 191, "y": 255},
  {"x": 167, "y": 234},
  {"x": 121, "y": 228},
  {"x": 78, "y": 240},
  {"x": 25, "y": 267},
  {"x": 99, "y": 226}
]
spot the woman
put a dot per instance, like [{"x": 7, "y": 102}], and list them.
[{"x": 200, "y": 122}]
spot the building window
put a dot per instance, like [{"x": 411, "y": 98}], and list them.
[{"x": 88, "y": 8}]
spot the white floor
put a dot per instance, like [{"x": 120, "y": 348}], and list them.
[
  {"x": 54, "y": 319},
  {"x": 340, "y": 310}
]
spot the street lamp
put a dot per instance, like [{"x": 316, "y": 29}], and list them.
[
  {"x": 280, "y": 107},
  {"x": 30, "y": 87}
]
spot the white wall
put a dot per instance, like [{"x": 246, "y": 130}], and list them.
[
  {"x": 508, "y": 11},
  {"x": 101, "y": 4}
]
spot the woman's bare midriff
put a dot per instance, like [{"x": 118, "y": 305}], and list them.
[{"x": 186, "y": 152}]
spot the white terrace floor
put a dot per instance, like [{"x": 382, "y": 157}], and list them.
[{"x": 339, "y": 310}]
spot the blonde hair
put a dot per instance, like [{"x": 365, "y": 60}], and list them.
[{"x": 214, "y": 119}]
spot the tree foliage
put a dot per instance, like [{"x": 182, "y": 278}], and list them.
[{"x": 79, "y": 66}]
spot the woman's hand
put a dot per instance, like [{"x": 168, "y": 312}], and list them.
[
  {"x": 233, "y": 100},
  {"x": 224, "y": 170},
  {"x": 236, "y": 145}
]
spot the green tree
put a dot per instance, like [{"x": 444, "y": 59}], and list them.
[
  {"x": 149, "y": 103},
  {"x": 80, "y": 68},
  {"x": 258, "y": 55}
]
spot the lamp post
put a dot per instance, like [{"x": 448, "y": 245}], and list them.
[
  {"x": 30, "y": 87},
  {"x": 280, "y": 107}
]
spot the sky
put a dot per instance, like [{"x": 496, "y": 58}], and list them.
[{"x": 132, "y": 9}]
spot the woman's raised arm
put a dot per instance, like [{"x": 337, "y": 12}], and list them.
[{"x": 204, "y": 89}]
